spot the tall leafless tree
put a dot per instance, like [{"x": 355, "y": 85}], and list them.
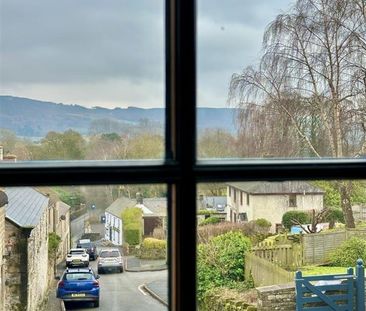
[{"x": 313, "y": 73}]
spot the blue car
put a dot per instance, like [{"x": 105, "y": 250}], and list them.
[{"x": 79, "y": 284}]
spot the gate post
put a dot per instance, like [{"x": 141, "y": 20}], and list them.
[{"x": 360, "y": 286}]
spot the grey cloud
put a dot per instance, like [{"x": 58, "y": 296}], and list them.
[{"x": 120, "y": 43}]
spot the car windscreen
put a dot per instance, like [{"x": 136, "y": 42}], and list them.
[
  {"x": 77, "y": 252},
  {"x": 110, "y": 254},
  {"x": 78, "y": 276},
  {"x": 85, "y": 245}
]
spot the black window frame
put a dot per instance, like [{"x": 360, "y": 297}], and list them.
[{"x": 180, "y": 169}]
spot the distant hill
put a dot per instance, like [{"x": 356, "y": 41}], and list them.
[{"x": 34, "y": 118}]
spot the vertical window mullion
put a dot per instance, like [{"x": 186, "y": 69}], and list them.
[{"x": 181, "y": 148}]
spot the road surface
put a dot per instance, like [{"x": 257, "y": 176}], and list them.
[{"x": 123, "y": 291}]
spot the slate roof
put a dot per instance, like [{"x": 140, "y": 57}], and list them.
[
  {"x": 268, "y": 187},
  {"x": 155, "y": 206},
  {"x": 150, "y": 206},
  {"x": 119, "y": 205},
  {"x": 26, "y": 206}
]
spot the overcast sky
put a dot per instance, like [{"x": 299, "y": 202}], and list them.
[{"x": 111, "y": 53}]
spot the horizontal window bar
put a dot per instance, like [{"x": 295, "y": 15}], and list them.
[{"x": 99, "y": 172}]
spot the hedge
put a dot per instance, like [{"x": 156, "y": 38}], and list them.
[
  {"x": 153, "y": 249},
  {"x": 132, "y": 234}
]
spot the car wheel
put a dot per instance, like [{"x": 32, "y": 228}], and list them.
[
  {"x": 99, "y": 271},
  {"x": 87, "y": 264},
  {"x": 96, "y": 304},
  {"x": 121, "y": 270}
]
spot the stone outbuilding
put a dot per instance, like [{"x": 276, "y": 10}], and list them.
[
  {"x": 26, "y": 248},
  {"x": 3, "y": 203}
]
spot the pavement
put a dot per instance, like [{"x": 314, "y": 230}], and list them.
[{"x": 159, "y": 288}]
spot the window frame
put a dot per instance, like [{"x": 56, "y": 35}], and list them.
[{"x": 180, "y": 170}]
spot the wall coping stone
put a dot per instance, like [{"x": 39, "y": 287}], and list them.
[{"x": 270, "y": 288}]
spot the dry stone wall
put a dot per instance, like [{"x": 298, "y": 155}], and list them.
[
  {"x": 2, "y": 268},
  {"x": 276, "y": 298},
  {"x": 38, "y": 264}
]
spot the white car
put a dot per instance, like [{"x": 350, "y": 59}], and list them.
[
  {"x": 110, "y": 259},
  {"x": 77, "y": 257}
]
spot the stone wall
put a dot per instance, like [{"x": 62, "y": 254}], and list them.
[
  {"x": 2, "y": 268},
  {"x": 15, "y": 267},
  {"x": 62, "y": 217},
  {"x": 276, "y": 298},
  {"x": 38, "y": 275}
]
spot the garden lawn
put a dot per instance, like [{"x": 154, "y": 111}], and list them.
[{"x": 317, "y": 270}]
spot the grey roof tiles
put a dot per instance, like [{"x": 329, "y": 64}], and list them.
[{"x": 26, "y": 206}]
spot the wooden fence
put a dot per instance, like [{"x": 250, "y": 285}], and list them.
[
  {"x": 265, "y": 272},
  {"x": 288, "y": 256},
  {"x": 317, "y": 246}
]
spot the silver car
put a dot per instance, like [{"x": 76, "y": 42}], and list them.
[{"x": 110, "y": 260}]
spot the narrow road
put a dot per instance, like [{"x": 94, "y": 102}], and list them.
[{"x": 122, "y": 291}]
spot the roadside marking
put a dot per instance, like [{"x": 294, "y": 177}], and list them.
[{"x": 141, "y": 290}]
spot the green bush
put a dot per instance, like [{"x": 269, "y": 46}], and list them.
[
  {"x": 132, "y": 215},
  {"x": 53, "y": 242},
  {"x": 151, "y": 243},
  {"x": 262, "y": 222},
  {"x": 132, "y": 225},
  {"x": 302, "y": 217},
  {"x": 210, "y": 220},
  {"x": 133, "y": 234},
  {"x": 153, "y": 249},
  {"x": 220, "y": 262},
  {"x": 348, "y": 252}
]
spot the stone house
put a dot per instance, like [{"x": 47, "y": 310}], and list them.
[
  {"x": 3, "y": 203},
  {"x": 154, "y": 213},
  {"x": 58, "y": 221},
  {"x": 248, "y": 201},
  {"x": 26, "y": 243}
]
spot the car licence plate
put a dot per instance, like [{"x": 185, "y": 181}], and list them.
[{"x": 78, "y": 295}]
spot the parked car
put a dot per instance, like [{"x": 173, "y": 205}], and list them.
[
  {"x": 90, "y": 247},
  {"x": 79, "y": 284},
  {"x": 110, "y": 259},
  {"x": 77, "y": 257}
]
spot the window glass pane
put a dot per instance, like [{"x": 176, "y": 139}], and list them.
[
  {"x": 317, "y": 227},
  {"x": 281, "y": 79},
  {"x": 82, "y": 79},
  {"x": 71, "y": 232}
]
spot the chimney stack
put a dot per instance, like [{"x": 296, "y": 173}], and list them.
[{"x": 139, "y": 198}]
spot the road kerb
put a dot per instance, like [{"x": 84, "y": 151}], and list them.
[
  {"x": 63, "y": 308},
  {"x": 156, "y": 296}
]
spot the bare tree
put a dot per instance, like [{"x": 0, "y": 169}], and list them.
[{"x": 312, "y": 72}]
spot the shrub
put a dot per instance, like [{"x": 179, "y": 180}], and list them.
[
  {"x": 153, "y": 249},
  {"x": 150, "y": 243},
  {"x": 210, "y": 220},
  {"x": 221, "y": 261},
  {"x": 133, "y": 234},
  {"x": 205, "y": 233},
  {"x": 53, "y": 242},
  {"x": 348, "y": 252},
  {"x": 264, "y": 223},
  {"x": 302, "y": 217},
  {"x": 132, "y": 225}
]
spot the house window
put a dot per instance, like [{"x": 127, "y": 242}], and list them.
[
  {"x": 248, "y": 199},
  {"x": 292, "y": 200},
  {"x": 241, "y": 197},
  {"x": 180, "y": 168},
  {"x": 234, "y": 190}
]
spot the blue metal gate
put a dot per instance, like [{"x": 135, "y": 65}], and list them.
[{"x": 338, "y": 292}]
